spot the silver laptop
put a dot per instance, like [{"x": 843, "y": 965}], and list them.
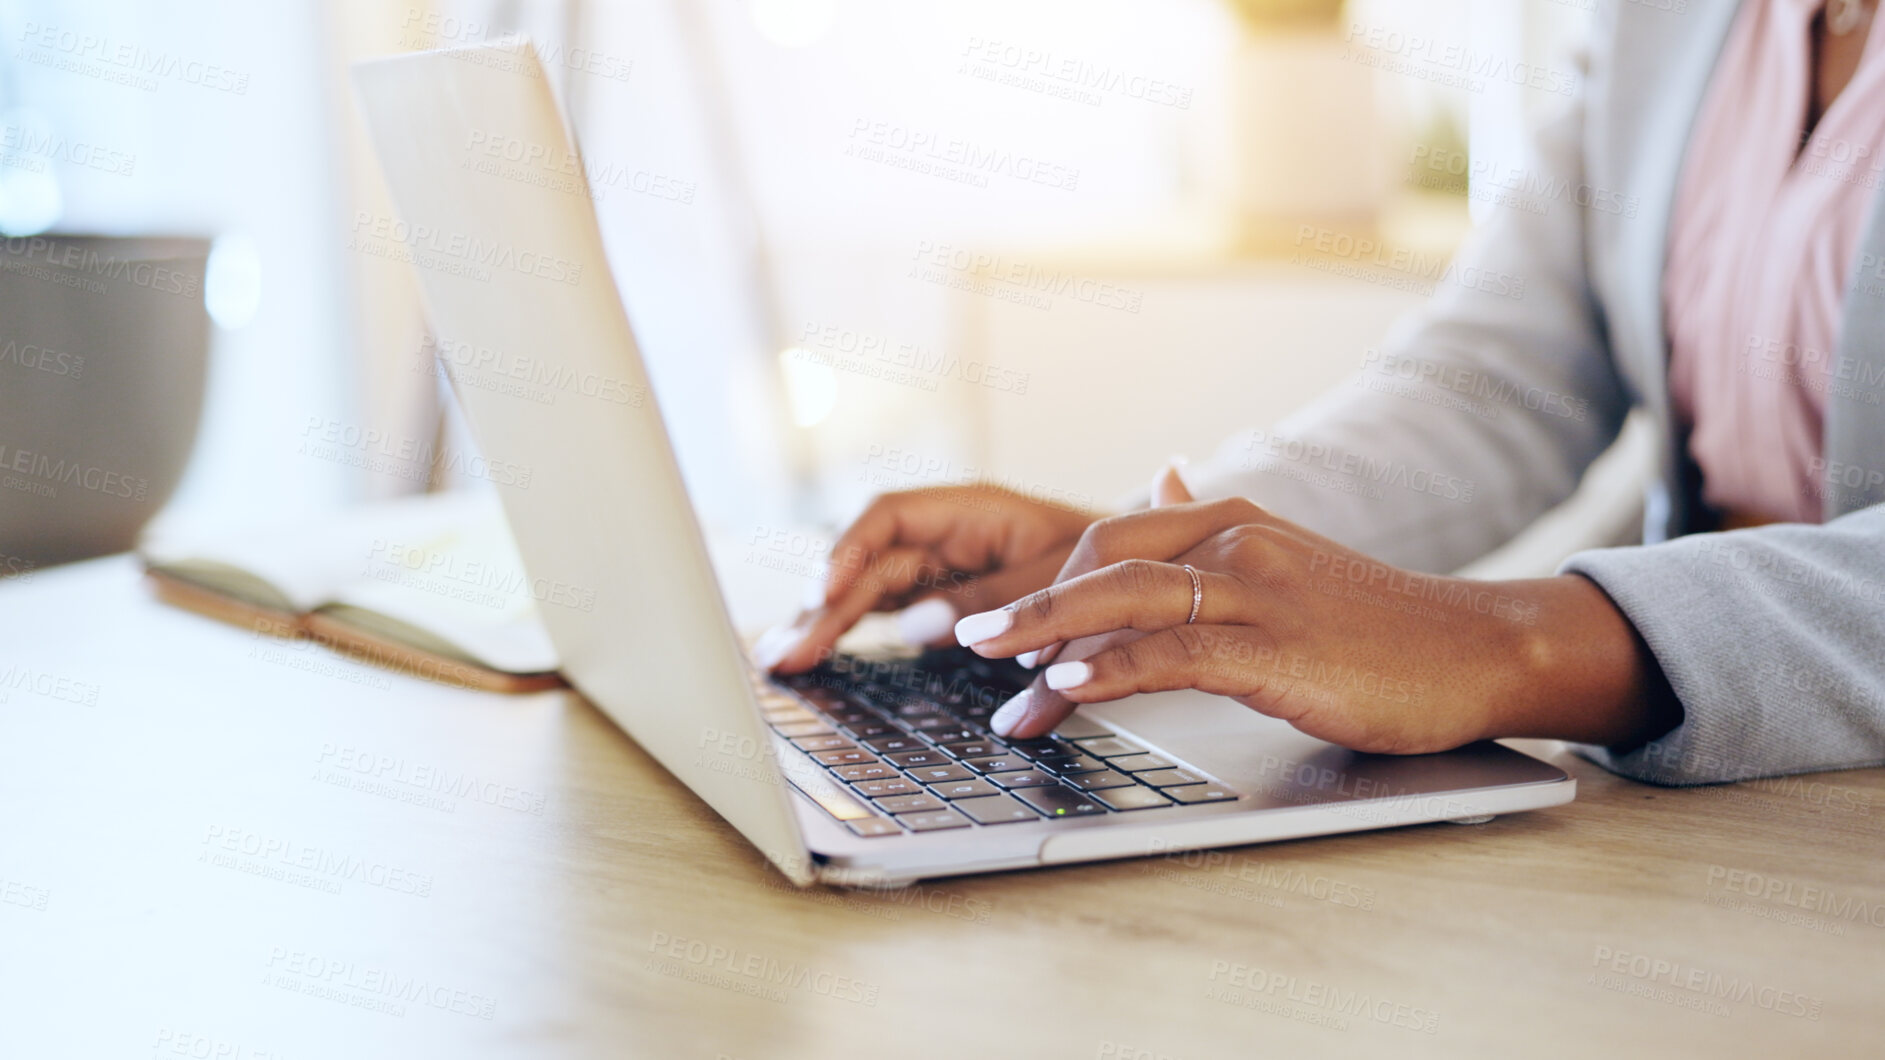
[{"x": 868, "y": 771}]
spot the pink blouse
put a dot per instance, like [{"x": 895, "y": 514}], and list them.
[{"x": 1761, "y": 247}]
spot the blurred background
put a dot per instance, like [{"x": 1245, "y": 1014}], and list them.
[{"x": 866, "y": 244}]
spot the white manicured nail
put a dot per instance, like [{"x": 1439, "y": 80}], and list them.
[
  {"x": 977, "y": 628},
  {"x": 1010, "y": 714},
  {"x": 1068, "y": 675},
  {"x": 1028, "y": 658},
  {"x": 776, "y": 644},
  {"x": 926, "y": 623}
]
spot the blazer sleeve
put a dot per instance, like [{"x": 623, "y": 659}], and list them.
[
  {"x": 1773, "y": 639},
  {"x": 1480, "y": 413}
]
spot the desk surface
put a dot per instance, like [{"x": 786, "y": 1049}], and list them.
[{"x": 223, "y": 845}]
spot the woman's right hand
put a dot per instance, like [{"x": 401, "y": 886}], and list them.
[{"x": 936, "y": 555}]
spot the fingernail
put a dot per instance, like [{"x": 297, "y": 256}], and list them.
[
  {"x": 980, "y": 627},
  {"x": 1178, "y": 461},
  {"x": 1068, "y": 675},
  {"x": 1028, "y": 658},
  {"x": 1169, "y": 485},
  {"x": 926, "y": 622},
  {"x": 775, "y": 645},
  {"x": 1010, "y": 714}
]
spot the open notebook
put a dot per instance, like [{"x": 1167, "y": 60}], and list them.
[{"x": 430, "y": 586}]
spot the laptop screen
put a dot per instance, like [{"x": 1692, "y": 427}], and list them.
[{"x": 494, "y": 213}]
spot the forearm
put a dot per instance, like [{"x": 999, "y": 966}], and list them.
[{"x": 1582, "y": 673}]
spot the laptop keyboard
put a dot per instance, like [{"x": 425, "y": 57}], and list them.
[{"x": 910, "y": 739}]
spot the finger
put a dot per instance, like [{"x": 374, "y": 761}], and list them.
[
  {"x": 1032, "y": 659},
  {"x": 1215, "y": 659},
  {"x": 1168, "y": 486},
  {"x": 1038, "y": 709},
  {"x": 1034, "y": 712},
  {"x": 1138, "y": 594},
  {"x": 966, "y": 537},
  {"x": 1007, "y": 586},
  {"x": 1157, "y": 533},
  {"x": 813, "y": 635},
  {"x": 931, "y": 620}
]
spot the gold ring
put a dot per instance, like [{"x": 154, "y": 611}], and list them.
[{"x": 1197, "y": 593}]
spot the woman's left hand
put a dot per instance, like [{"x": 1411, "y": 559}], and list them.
[{"x": 1298, "y": 627}]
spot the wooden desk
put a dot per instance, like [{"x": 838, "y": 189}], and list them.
[{"x": 221, "y": 846}]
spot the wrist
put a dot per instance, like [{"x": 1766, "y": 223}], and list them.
[{"x": 1578, "y": 670}]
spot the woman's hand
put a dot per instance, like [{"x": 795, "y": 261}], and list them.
[
  {"x": 1298, "y": 627},
  {"x": 937, "y": 554}
]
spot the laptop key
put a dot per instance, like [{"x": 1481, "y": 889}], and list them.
[
  {"x": 909, "y": 759},
  {"x": 1109, "y": 747},
  {"x": 974, "y": 748},
  {"x": 1062, "y": 767},
  {"x": 1168, "y": 778},
  {"x": 871, "y": 730},
  {"x": 877, "y": 789},
  {"x": 771, "y": 698},
  {"x": 944, "y": 734},
  {"x": 823, "y": 743},
  {"x": 1096, "y": 781},
  {"x": 843, "y": 758},
  {"x": 998, "y": 763},
  {"x": 1139, "y": 763},
  {"x": 965, "y": 789},
  {"x": 1057, "y": 801},
  {"x": 802, "y": 728},
  {"x": 919, "y": 803},
  {"x": 1021, "y": 778},
  {"x": 872, "y": 827},
  {"x": 874, "y": 771},
  {"x": 1191, "y": 793},
  {"x": 1042, "y": 748},
  {"x": 824, "y": 700},
  {"x": 1133, "y": 798},
  {"x": 940, "y": 774},
  {"x": 930, "y": 822},
  {"x": 891, "y": 744},
  {"x": 996, "y": 809},
  {"x": 934, "y": 723}
]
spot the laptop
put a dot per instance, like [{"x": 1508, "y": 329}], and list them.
[{"x": 869, "y": 771}]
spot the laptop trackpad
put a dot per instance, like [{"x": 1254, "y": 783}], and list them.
[{"x": 1274, "y": 764}]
